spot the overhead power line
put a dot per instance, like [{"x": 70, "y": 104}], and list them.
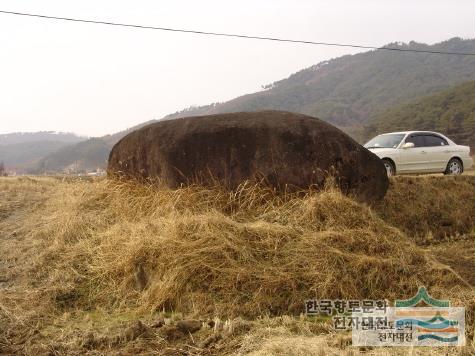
[{"x": 221, "y": 34}]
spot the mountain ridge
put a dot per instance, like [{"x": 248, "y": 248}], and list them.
[
  {"x": 331, "y": 90},
  {"x": 348, "y": 91},
  {"x": 39, "y": 136}
]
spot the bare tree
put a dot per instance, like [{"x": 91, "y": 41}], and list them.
[{"x": 3, "y": 172}]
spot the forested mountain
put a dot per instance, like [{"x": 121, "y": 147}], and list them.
[
  {"x": 22, "y": 151},
  {"x": 451, "y": 112},
  {"x": 349, "y": 92},
  {"x": 83, "y": 156},
  {"x": 25, "y": 156}
]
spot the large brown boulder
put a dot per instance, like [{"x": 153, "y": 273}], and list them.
[{"x": 289, "y": 151}]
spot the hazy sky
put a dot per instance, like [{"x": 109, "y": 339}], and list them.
[{"x": 94, "y": 79}]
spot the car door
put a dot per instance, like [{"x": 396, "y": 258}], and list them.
[
  {"x": 438, "y": 153},
  {"x": 414, "y": 159}
]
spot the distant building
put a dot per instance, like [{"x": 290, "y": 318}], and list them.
[{"x": 97, "y": 173}]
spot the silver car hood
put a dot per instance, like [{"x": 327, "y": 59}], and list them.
[{"x": 382, "y": 151}]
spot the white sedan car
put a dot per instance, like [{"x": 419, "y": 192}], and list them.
[{"x": 420, "y": 152}]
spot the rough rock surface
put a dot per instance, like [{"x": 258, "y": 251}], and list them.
[{"x": 289, "y": 151}]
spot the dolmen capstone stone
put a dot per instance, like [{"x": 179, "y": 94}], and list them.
[{"x": 288, "y": 151}]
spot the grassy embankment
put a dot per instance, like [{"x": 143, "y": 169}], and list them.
[{"x": 98, "y": 266}]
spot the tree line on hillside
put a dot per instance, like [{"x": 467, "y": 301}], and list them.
[{"x": 451, "y": 112}]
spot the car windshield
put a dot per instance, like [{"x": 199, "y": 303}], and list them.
[{"x": 385, "y": 141}]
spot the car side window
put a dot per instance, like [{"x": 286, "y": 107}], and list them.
[
  {"x": 433, "y": 141},
  {"x": 417, "y": 140}
]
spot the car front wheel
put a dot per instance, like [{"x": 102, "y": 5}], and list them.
[
  {"x": 454, "y": 167},
  {"x": 390, "y": 170}
]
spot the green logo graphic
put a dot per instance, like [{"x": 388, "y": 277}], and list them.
[{"x": 422, "y": 295}]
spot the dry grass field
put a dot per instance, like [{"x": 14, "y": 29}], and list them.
[{"x": 108, "y": 267}]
